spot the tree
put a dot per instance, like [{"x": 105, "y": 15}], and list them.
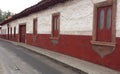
[
  {"x": 1, "y": 15},
  {"x": 4, "y": 15}
]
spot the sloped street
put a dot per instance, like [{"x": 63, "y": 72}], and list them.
[{"x": 19, "y": 60}]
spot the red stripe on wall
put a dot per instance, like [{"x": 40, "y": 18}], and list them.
[
  {"x": 79, "y": 47},
  {"x": 76, "y": 46}
]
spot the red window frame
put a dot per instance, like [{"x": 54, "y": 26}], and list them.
[
  {"x": 113, "y": 3},
  {"x": 103, "y": 33},
  {"x": 35, "y": 26},
  {"x": 56, "y": 25}
]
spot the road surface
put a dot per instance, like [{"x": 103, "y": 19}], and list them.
[{"x": 19, "y": 60}]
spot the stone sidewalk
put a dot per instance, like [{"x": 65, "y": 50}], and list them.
[
  {"x": 85, "y": 66},
  {"x": 1, "y": 69}
]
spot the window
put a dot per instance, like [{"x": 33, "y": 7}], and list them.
[
  {"x": 109, "y": 18},
  {"x": 11, "y": 32},
  {"x": 104, "y": 27},
  {"x": 101, "y": 23},
  {"x": 105, "y": 19},
  {"x": 35, "y": 26},
  {"x": 55, "y": 25},
  {"x": 104, "y": 23},
  {"x": 14, "y": 32}
]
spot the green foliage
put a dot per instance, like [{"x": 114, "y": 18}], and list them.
[{"x": 4, "y": 15}]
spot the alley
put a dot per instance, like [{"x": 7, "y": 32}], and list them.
[{"x": 19, "y": 60}]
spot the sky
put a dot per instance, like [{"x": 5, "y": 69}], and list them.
[{"x": 16, "y": 6}]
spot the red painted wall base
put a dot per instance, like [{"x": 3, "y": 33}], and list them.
[
  {"x": 79, "y": 47},
  {"x": 76, "y": 46}
]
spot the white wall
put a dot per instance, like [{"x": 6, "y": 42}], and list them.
[
  {"x": 73, "y": 14},
  {"x": 76, "y": 18},
  {"x": 12, "y": 24},
  {"x": 4, "y": 29},
  {"x": 118, "y": 19}
]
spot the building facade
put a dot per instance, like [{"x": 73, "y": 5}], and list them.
[{"x": 85, "y": 29}]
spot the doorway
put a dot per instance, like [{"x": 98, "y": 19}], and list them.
[{"x": 22, "y": 33}]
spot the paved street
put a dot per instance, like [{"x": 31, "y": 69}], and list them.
[{"x": 19, "y": 60}]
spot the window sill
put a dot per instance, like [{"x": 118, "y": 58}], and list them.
[
  {"x": 35, "y": 37},
  {"x": 103, "y": 48},
  {"x": 103, "y": 43},
  {"x": 54, "y": 38}
]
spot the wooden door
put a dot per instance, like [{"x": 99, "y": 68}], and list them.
[
  {"x": 104, "y": 25},
  {"x": 22, "y": 32}
]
